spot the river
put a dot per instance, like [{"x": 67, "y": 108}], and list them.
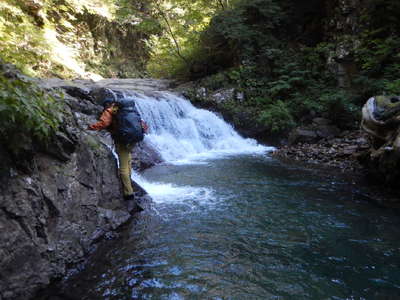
[{"x": 230, "y": 222}]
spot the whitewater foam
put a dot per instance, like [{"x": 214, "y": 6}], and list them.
[
  {"x": 184, "y": 134},
  {"x": 166, "y": 192}
]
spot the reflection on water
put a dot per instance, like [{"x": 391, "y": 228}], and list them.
[{"x": 250, "y": 229}]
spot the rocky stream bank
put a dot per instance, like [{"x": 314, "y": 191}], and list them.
[
  {"x": 342, "y": 152},
  {"x": 53, "y": 212},
  {"x": 370, "y": 153},
  {"x": 373, "y": 151},
  {"x": 323, "y": 143}
]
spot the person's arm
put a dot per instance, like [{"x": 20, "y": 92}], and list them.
[
  {"x": 104, "y": 120},
  {"x": 144, "y": 126}
]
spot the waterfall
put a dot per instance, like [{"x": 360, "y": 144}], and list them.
[
  {"x": 181, "y": 132},
  {"x": 184, "y": 134}
]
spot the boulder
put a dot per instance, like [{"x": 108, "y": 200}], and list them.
[
  {"x": 327, "y": 131},
  {"x": 145, "y": 156},
  {"x": 299, "y": 135},
  {"x": 223, "y": 95},
  {"x": 201, "y": 92},
  {"x": 77, "y": 92},
  {"x": 319, "y": 129},
  {"x": 321, "y": 121},
  {"x": 381, "y": 121}
]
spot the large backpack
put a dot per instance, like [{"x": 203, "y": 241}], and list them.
[{"x": 128, "y": 126}]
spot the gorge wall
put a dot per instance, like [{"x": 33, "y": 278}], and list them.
[
  {"x": 59, "y": 200},
  {"x": 69, "y": 39}
]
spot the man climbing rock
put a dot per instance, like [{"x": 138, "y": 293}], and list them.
[{"x": 121, "y": 118}]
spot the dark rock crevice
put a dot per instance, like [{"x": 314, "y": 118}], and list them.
[{"x": 18, "y": 219}]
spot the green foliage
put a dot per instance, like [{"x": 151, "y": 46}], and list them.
[
  {"x": 74, "y": 38},
  {"x": 377, "y": 53},
  {"x": 70, "y": 38},
  {"x": 248, "y": 47},
  {"x": 296, "y": 85},
  {"x": 26, "y": 111},
  {"x": 277, "y": 117},
  {"x": 175, "y": 50},
  {"x": 392, "y": 87},
  {"x": 339, "y": 106},
  {"x": 256, "y": 46},
  {"x": 22, "y": 44},
  {"x": 216, "y": 81}
]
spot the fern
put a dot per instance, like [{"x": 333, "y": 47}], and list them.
[{"x": 26, "y": 110}]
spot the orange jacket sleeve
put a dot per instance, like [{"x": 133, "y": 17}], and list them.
[{"x": 104, "y": 120}]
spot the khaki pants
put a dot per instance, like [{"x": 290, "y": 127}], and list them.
[{"x": 125, "y": 160}]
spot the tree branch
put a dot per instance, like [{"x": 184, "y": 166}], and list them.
[
  {"x": 221, "y": 3},
  {"x": 178, "y": 49}
]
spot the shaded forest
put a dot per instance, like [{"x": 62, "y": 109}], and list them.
[{"x": 289, "y": 61}]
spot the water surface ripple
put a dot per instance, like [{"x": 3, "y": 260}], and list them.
[{"x": 259, "y": 230}]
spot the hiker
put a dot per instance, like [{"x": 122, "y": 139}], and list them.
[{"x": 121, "y": 118}]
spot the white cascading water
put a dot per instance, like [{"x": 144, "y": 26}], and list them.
[{"x": 182, "y": 133}]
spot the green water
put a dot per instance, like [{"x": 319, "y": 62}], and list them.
[{"x": 252, "y": 228}]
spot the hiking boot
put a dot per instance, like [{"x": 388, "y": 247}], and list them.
[
  {"x": 129, "y": 197},
  {"x": 139, "y": 208},
  {"x": 135, "y": 197}
]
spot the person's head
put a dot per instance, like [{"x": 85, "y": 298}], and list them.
[
  {"x": 107, "y": 102},
  {"x": 109, "y": 98}
]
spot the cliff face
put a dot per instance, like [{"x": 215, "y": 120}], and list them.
[
  {"x": 342, "y": 28},
  {"x": 110, "y": 48},
  {"x": 339, "y": 23},
  {"x": 51, "y": 218},
  {"x": 53, "y": 212},
  {"x": 71, "y": 39}
]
